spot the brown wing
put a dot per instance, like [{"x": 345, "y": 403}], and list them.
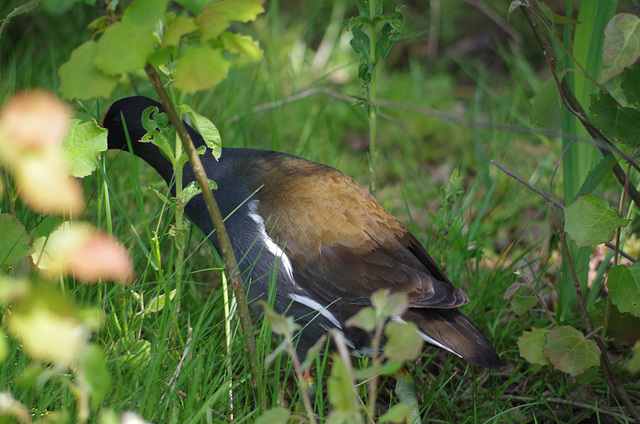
[{"x": 341, "y": 242}]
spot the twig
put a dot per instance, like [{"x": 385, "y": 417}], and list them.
[
  {"x": 555, "y": 203},
  {"x": 230, "y": 262},
  {"x": 555, "y": 169},
  {"x": 571, "y": 103},
  {"x": 607, "y": 369}
]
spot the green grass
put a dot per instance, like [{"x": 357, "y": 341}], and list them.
[{"x": 173, "y": 366}]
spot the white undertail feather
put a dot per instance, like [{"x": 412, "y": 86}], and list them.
[{"x": 310, "y": 303}]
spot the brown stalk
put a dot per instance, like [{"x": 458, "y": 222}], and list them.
[
  {"x": 230, "y": 262},
  {"x": 571, "y": 103}
]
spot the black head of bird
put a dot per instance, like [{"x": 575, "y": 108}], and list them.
[{"x": 327, "y": 241}]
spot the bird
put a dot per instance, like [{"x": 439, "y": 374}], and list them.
[{"x": 325, "y": 241}]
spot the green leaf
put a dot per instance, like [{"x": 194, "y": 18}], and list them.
[
  {"x": 388, "y": 305},
  {"x": 590, "y": 220},
  {"x": 403, "y": 341},
  {"x": 157, "y": 303},
  {"x": 81, "y": 79},
  {"x": 14, "y": 243},
  {"x": 396, "y": 414},
  {"x": 617, "y": 122},
  {"x": 530, "y": 345},
  {"x": 546, "y": 106},
  {"x": 383, "y": 43},
  {"x": 275, "y": 415},
  {"x": 363, "y": 7},
  {"x": 96, "y": 374},
  {"x": 389, "y": 367},
  {"x": 621, "y": 46},
  {"x": 521, "y": 304},
  {"x": 569, "y": 352},
  {"x": 211, "y": 24},
  {"x": 365, "y": 319},
  {"x": 360, "y": 43},
  {"x": 238, "y": 10},
  {"x": 161, "y": 56},
  {"x": 397, "y": 23},
  {"x": 242, "y": 45},
  {"x": 596, "y": 175},
  {"x": 82, "y": 146},
  {"x": 207, "y": 130},
  {"x": 340, "y": 387},
  {"x": 46, "y": 226},
  {"x": 117, "y": 54},
  {"x": 624, "y": 288},
  {"x": 631, "y": 85},
  {"x": 138, "y": 354},
  {"x": 622, "y": 328},
  {"x": 145, "y": 12},
  {"x": 406, "y": 390},
  {"x": 194, "y": 6},
  {"x": 193, "y": 189},
  {"x": 46, "y": 325},
  {"x": 200, "y": 68},
  {"x": 176, "y": 29}
]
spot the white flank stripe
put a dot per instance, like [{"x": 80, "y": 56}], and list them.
[
  {"x": 269, "y": 244},
  {"x": 318, "y": 307},
  {"x": 427, "y": 338}
]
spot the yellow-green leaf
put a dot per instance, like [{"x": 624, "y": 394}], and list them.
[
  {"x": 200, "y": 68},
  {"x": 82, "y": 145},
  {"x": 14, "y": 243},
  {"x": 117, "y": 54},
  {"x": 530, "y": 345},
  {"x": 624, "y": 288},
  {"x": 241, "y": 44},
  {"x": 179, "y": 27},
  {"x": 81, "y": 79},
  {"x": 144, "y": 12},
  {"x": 569, "y": 352},
  {"x": 211, "y": 24},
  {"x": 238, "y": 10},
  {"x": 589, "y": 220}
]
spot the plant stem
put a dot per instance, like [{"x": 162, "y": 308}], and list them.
[
  {"x": 572, "y": 104},
  {"x": 230, "y": 262},
  {"x": 372, "y": 114},
  {"x": 302, "y": 384},
  {"x": 179, "y": 239},
  {"x": 375, "y": 358},
  {"x": 605, "y": 365}
]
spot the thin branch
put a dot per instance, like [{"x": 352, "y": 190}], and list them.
[
  {"x": 230, "y": 262},
  {"x": 605, "y": 364},
  {"x": 573, "y": 105},
  {"x": 555, "y": 203}
]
